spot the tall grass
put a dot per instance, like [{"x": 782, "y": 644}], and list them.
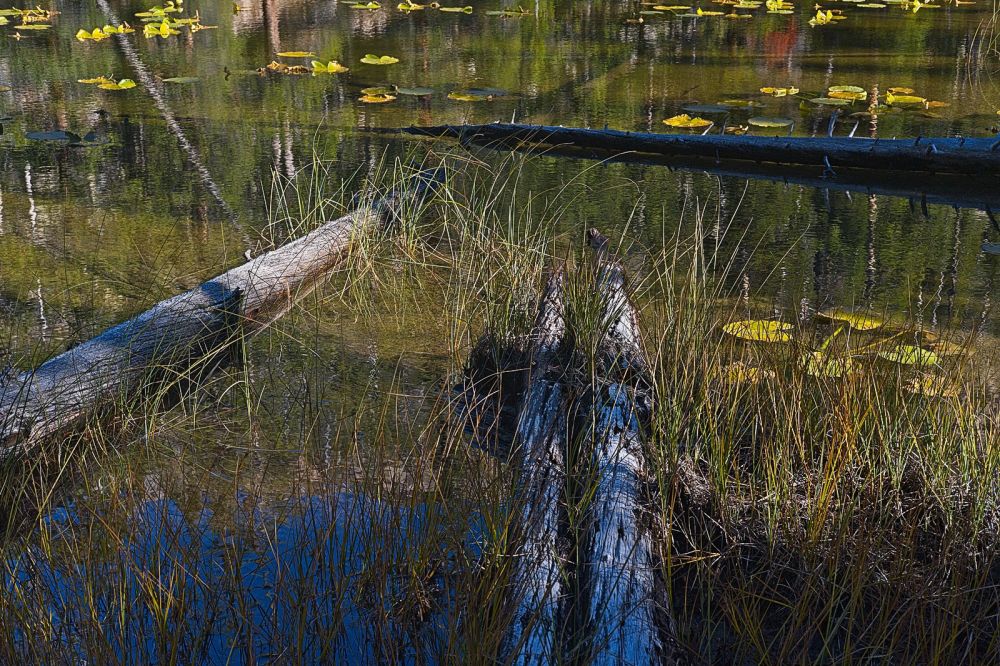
[{"x": 334, "y": 497}]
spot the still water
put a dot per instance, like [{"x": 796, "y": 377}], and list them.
[{"x": 156, "y": 189}]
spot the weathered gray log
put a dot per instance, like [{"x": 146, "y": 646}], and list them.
[
  {"x": 928, "y": 155},
  {"x": 540, "y": 441},
  {"x": 189, "y": 329},
  {"x": 627, "y": 614}
]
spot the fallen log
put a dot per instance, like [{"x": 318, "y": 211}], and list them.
[
  {"x": 979, "y": 156},
  {"x": 626, "y": 608},
  {"x": 187, "y": 331},
  {"x": 540, "y": 441}
]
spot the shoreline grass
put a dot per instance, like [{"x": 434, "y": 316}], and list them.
[{"x": 322, "y": 501}]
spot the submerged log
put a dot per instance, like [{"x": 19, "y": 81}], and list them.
[
  {"x": 980, "y": 156},
  {"x": 627, "y": 613},
  {"x": 189, "y": 330},
  {"x": 540, "y": 441}
]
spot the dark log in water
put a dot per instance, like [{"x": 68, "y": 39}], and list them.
[
  {"x": 974, "y": 156},
  {"x": 627, "y": 611},
  {"x": 540, "y": 441},
  {"x": 188, "y": 331}
]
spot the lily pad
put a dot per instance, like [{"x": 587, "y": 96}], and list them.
[
  {"x": 910, "y": 355},
  {"x": 124, "y": 84},
  {"x": 759, "y": 330},
  {"x": 779, "y": 92},
  {"x": 376, "y": 99},
  {"x": 830, "y": 101},
  {"x": 859, "y": 321},
  {"x": 767, "y": 121},
  {"x": 296, "y": 54},
  {"x": 182, "y": 79},
  {"x": 372, "y": 59},
  {"x": 415, "y": 92},
  {"x": 468, "y": 96},
  {"x": 686, "y": 121},
  {"x": 331, "y": 67},
  {"x": 707, "y": 108},
  {"x": 821, "y": 364},
  {"x": 904, "y": 100}
]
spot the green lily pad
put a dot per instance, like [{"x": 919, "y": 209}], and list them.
[
  {"x": 706, "y": 108},
  {"x": 766, "y": 121},
  {"x": 910, "y": 355},
  {"x": 182, "y": 79},
  {"x": 415, "y": 92},
  {"x": 830, "y": 101}
]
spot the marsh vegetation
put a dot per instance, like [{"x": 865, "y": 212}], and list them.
[{"x": 819, "y": 396}]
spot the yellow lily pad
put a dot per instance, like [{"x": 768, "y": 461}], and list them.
[
  {"x": 124, "y": 84},
  {"x": 372, "y": 59},
  {"x": 686, "y": 121},
  {"x": 759, "y": 330},
  {"x": 376, "y": 99},
  {"x": 296, "y": 54},
  {"x": 821, "y": 364},
  {"x": 332, "y": 67},
  {"x": 859, "y": 321}
]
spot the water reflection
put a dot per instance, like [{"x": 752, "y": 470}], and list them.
[{"x": 314, "y": 579}]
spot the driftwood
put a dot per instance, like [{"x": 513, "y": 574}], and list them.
[
  {"x": 973, "y": 156},
  {"x": 540, "y": 441},
  {"x": 188, "y": 330},
  {"x": 627, "y": 614}
]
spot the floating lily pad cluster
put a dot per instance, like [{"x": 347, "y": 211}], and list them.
[
  {"x": 739, "y": 116},
  {"x": 919, "y": 353},
  {"x": 30, "y": 19}
]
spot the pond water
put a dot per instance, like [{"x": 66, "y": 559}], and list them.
[{"x": 157, "y": 189}]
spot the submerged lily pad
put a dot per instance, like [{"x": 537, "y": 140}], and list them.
[
  {"x": 465, "y": 96},
  {"x": 707, "y": 108},
  {"x": 182, "y": 79},
  {"x": 415, "y": 92},
  {"x": 767, "y": 121},
  {"x": 759, "y": 330},
  {"x": 830, "y": 101}
]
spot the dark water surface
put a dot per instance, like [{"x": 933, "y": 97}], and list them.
[{"x": 169, "y": 184}]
